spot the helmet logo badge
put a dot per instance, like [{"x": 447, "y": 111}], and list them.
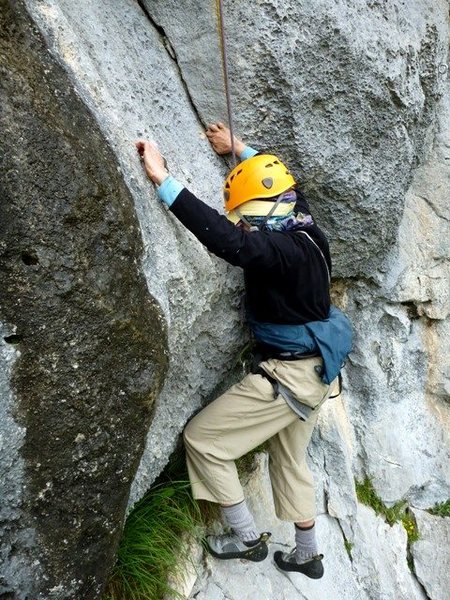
[{"x": 267, "y": 182}]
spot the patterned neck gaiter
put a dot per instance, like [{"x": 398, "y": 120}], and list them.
[{"x": 289, "y": 222}]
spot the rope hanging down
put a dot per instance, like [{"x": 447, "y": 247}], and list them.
[{"x": 223, "y": 46}]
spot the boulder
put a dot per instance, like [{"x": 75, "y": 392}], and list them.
[{"x": 83, "y": 344}]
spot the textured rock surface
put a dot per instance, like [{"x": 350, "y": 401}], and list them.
[
  {"x": 119, "y": 65},
  {"x": 91, "y": 339},
  {"x": 19, "y": 569},
  {"x": 101, "y": 283},
  {"x": 398, "y": 374},
  {"x": 430, "y": 554}
]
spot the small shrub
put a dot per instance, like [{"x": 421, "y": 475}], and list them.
[
  {"x": 410, "y": 525},
  {"x": 441, "y": 510},
  {"x": 366, "y": 494}
]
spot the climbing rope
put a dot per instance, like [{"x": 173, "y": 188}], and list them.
[{"x": 226, "y": 80}]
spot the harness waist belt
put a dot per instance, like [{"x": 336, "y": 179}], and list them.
[
  {"x": 294, "y": 355},
  {"x": 266, "y": 351}
]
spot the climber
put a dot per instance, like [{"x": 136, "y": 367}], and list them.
[{"x": 301, "y": 343}]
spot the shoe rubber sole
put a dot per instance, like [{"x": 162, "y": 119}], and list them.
[
  {"x": 312, "y": 569},
  {"x": 255, "y": 553}
]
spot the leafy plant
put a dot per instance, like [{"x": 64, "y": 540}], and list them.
[
  {"x": 399, "y": 512},
  {"x": 410, "y": 525},
  {"x": 348, "y": 546}
]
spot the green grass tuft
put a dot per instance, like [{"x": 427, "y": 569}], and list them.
[
  {"x": 441, "y": 510},
  {"x": 153, "y": 543},
  {"x": 157, "y": 533},
  {"x": 399, "y": 512}
]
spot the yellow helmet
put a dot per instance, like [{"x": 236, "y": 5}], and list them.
[{"x": 262, "y": 176}]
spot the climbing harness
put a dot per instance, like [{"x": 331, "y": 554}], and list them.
[
  {"x": 226, "y": 79},
  {"x": 329, "y": 281}
]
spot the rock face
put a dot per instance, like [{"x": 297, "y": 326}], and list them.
[
  {"x": 91, "y": 282},
  {"x": 345, "y": 91},
  {"x": 118, "y": 325}
]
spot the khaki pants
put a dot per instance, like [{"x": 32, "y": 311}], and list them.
[{"x": 247, "y": 415}]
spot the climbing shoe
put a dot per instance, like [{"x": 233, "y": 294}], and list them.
[
  {"x": 285, "y": 562},
  {"x": 228, "y": 545}
]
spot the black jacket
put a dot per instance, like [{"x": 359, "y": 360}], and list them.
[{"x": 285, "y": 276}]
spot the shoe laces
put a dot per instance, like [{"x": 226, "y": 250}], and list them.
[{"x": 288, "y": 555}]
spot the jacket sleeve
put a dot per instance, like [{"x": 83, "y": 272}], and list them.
[{"x": 237, "y": 246}]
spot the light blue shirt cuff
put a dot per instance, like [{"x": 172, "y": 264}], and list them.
[
  {"x": 248, "y": 152},
  {"x": 169, "y": 190}
]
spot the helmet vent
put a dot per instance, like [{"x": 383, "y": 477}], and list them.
[
  {"x": 269, "y": 165},
  {"x": 276, "y": 162},
  {"x": 226, "y": 195},
  {"x": 240, "y": 171},
  {"x": 267, "y": 182},
  {"x": 227, "y": 185}
]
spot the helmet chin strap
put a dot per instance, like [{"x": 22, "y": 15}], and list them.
[
  {"x": 264, "y": 223},
  {"x": 245, "y": 220},
  {"x": 270, "y": 213}
]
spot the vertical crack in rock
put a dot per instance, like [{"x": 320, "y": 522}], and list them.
[
  {"x": 92, "y": 343},
  {"x": 346, "y": 541},
  {"x": 434, "y": 208},
  {"x": 327, "y": 496},
  {"x": 173, "y": 55},
  {"x": 414, "y": 574},
  {"x": 420, "y": 584}
]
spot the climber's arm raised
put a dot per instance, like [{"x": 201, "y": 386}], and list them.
[{"x": 212, "y": 229}]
